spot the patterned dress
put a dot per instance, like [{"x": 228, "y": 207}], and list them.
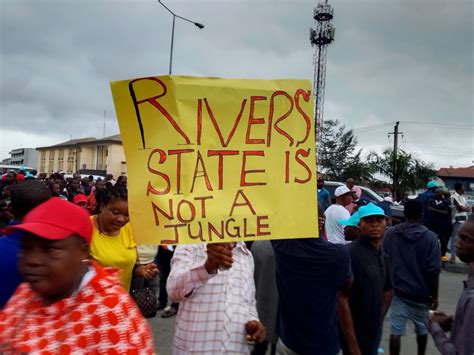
[{"x": 100, "y": 318}]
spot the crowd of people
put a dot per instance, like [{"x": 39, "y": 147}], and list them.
[{"x": 69, "y": 266}]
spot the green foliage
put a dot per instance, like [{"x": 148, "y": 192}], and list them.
[
  {"x": 337, "y": 154},
  {"x": 412, "y": 173}
]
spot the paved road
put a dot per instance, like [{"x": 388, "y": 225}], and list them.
[{"x": 450, "y": 289}]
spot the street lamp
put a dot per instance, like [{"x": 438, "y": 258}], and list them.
[{"x": 199, "y": 25}]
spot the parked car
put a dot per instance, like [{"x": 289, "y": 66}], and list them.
[{"x": 368, "y": 194}]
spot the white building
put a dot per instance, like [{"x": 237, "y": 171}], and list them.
[
  {"x": 85, "y": 155},
  {"x": 27, "y": 157}
]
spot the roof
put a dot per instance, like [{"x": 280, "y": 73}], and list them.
[
  {"x": 86, "y": 141},
  {"x": 456, "y": 172}
]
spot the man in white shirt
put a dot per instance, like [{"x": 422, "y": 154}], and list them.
[
  {"x": 214, "y": 285},
  {"x": 461, "y": 210},
  {"x": 337, "y": 212}
]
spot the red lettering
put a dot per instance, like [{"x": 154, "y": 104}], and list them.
[
  {"x": 261, "y": 226},
  {"x": 306, "y": 97},
  {"x": 281, "y": 118},
  {"x": 244, "y": 172},
  {"x": 221, "y": 154},
  {"x": 236, "y": 229},
  {"x": 199, "y": 122},
  {"x": 176, "y": 234},
  {"x": 192, "y": 211},
  {"x": 203, "y": 204},
  {"x": 304, "y": 153},
  {"x": 150, "y": 188},
  {"x": 197, "y": 173},
  {"x": 246, "y": 235},
  {"x": 216, "y": 125},
  {"x": 169, "y": 215},
  {"x": 253, "y": 121},
  {"x": 178, "y": 152},
  {"x": 212, "y": 229},
  {"x": 153, "y": 100},
  {"x": 199, "y": 235},
  {"x": 246, "y": 203}
]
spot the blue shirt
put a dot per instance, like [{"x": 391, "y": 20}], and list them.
[
  {"x": 324, "y": 198},
  {"x": 424, "y": 198},
  {"x": 415, "y": 260},
  {"x": 9, "y": 274},
  {"x": 309, "y": 272}
]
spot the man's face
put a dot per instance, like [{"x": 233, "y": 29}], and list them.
[
  {"x": 460, "y": 190},
  {"x": 55, "y": 189},
  {"x": 345, "y": 199},
  {"x": 320, "y": 183},
  {"x": 465, "y": 243},
  {"x": 350, "y": 184},
  {"x": 74, "y": 185},
  {"x": 373, "y": 226},
  {"x": 439, "y": 194},
  {"x": 51, "y": 267}
]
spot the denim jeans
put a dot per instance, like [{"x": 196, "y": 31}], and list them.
[{"x": 454, "y": 238}]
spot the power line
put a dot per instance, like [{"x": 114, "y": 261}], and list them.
[
  {"x": 372, "y": 127},
  {"x": 439, "y": 125}
]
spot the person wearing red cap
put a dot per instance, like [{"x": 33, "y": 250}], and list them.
[
  {"x": 80, "y": 200},
  {"x": 68, "y": 304}
]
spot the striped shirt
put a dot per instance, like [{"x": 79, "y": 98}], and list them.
[{"x": 214, "y": 308}]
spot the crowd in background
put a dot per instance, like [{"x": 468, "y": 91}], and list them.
[{"x": 71, "y": 271}]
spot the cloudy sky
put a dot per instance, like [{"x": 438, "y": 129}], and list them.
[{"x": 393, "y": 60}]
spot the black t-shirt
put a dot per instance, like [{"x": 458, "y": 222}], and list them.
[
  {"x": 436, "y": 219},
  {"x": 309, "y": 272},
  {"x": 371, "y": 279}
]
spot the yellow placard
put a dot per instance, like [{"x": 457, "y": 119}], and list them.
[{"x": 213, "y": 160}]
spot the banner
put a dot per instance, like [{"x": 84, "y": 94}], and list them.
[{"x": 214, "y": 160}]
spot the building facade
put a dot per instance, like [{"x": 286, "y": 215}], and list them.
[
  {"x": 85, "y": 155},
  {"x": 27, "y": 157},
  {"x": 465, "y": 176}
]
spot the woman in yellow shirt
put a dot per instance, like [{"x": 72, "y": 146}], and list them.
[{"x": 112, "y": 242}]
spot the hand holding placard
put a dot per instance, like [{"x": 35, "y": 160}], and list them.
[{"x": 219, "y": 255}]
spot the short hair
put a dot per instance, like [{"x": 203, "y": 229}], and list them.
[
  {"x": 413, "y": 209},
  {"x": 109, "y": 194},
  {"x": 28, "y": 195},
  {"x": 457, "y": 186}
]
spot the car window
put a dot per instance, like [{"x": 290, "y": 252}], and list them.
[{"x": 369, "y": 195}]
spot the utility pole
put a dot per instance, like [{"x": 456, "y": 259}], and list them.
[{"x": 395, "y": 155}]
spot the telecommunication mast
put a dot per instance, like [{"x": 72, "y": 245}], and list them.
[{"x": 320, "y": 38}]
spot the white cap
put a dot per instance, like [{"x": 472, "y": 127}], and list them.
[{"x": 342, "y": 190}]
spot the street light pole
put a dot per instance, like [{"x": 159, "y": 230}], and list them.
[
  {"x": 172, "y": 41},
  {"x": 197, "y": 24}
]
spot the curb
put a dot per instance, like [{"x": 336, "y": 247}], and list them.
[{"x": 459, "y": 268}]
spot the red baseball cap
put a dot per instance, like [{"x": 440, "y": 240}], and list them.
[
  {"x": 80, "y": 198},
  {"x": 56, "y": 219}
]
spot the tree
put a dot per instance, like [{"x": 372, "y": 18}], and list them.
[
  {"x": 412, "y": 172},
  {"x": 337, "y": 153}
]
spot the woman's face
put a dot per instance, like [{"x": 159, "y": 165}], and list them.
[
  {"x": 53, "y": 268},
  {"x": 114, "y": 215}
]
